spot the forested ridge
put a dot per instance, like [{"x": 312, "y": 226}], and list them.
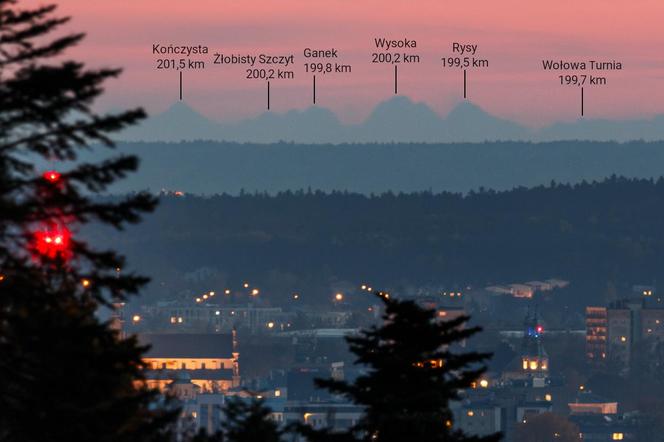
[{"x": 588, "y": 233}]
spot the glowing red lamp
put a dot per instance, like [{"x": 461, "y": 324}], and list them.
[
  {"x": 53, "y": 242},
  {"x": 52, "y": 176},
  {"x": 539, "y": 329}
]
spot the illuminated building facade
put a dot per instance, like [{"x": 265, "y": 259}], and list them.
[
  {"x": 590, "y": 403},
  {"x": 209, "y": 360},
  {"x": 596, "y": 334},
  {"x": 613, "y": 332}
]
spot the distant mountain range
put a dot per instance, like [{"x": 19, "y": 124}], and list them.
[{"x": 396, "y": 120}]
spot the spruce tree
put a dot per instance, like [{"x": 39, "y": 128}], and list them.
[
  {"x": 414, "y": 368},
  {"x": 249, "y": 421},
  {"x": 64, "y": 374}
]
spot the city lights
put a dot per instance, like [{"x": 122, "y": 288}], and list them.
[
  {"x": 339, "y": 297},
  {"x": 255, "y": 292},
  {"x": 85, "y": 283},
  {"x": 136, "y": 318}
]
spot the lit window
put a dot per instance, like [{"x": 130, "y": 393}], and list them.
[
  {"x": 547, "y": 397},
  {"x": 617, "y": 436},
  {"x": 470, "y": 413}
]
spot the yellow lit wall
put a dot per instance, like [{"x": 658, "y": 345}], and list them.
[{"x": 188, "y": 364}]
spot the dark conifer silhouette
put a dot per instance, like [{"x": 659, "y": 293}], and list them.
[
  {"x": 413, "y": 372},
  {"x": 64, "y": 375},
  {"x": 249, "y": 421}
]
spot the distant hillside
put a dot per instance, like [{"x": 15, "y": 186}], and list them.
[
  {"x": 396, "y": 120},
  {"x": 594, "y": 235},
  {"x": 210, "y": 167}
]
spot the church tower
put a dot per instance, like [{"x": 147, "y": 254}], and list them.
[{"x": 534, "y": 359}]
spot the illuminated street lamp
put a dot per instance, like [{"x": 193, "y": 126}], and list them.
[
  {"x": 339, "y": 297},
  {"x": 136, "y": 319}
]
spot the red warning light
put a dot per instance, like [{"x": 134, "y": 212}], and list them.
[
  {"x": 52, "y": 176},
  {"x": 53, "y": 242},
  {"x": 539, "y": 329}
]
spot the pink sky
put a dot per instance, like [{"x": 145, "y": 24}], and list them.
[{"x": 514, "y": 35}]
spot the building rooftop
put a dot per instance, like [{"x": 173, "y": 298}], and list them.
[{"x": 188, "y": 345}]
